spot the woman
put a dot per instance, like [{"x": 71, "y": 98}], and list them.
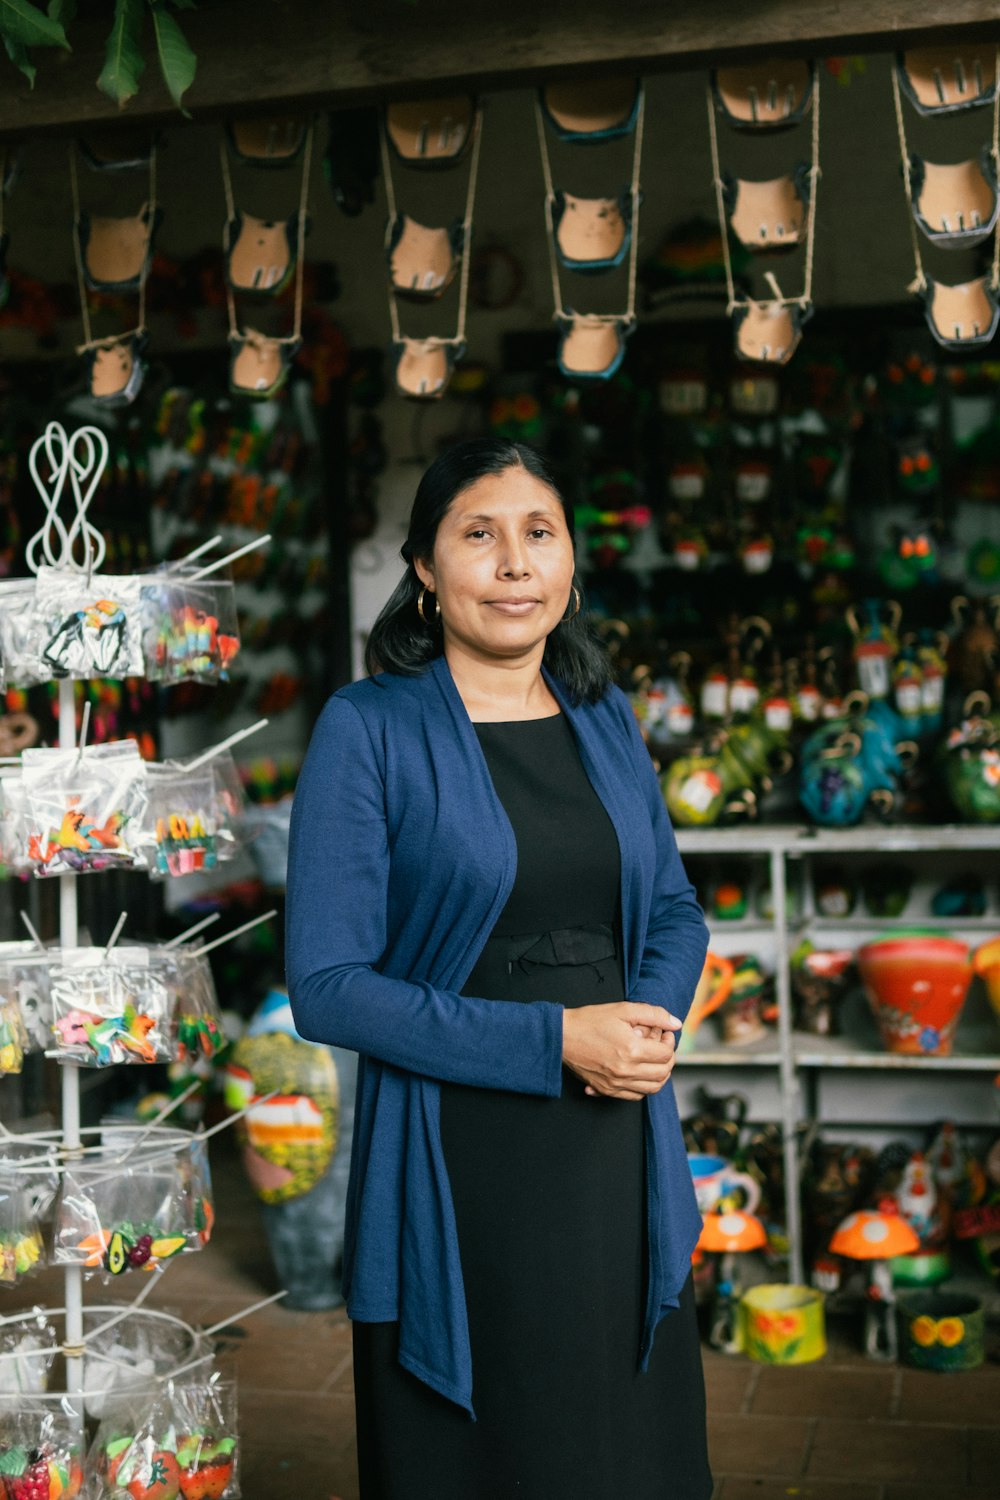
[{"x": 485, "y": 900}]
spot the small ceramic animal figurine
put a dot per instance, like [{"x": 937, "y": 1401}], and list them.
[
  {"x": 876, "y": 642},
  {"x": 971, "y": 762},
  {"x": 975, "y": 648},
  {"x": 917, "y": 1197},
  {"x": 958, "y": 1177}
]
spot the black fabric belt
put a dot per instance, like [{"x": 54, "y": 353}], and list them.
[{"x": 564, "y": 947}]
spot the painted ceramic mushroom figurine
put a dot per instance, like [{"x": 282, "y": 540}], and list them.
[
  {"x": 730, "y": 1235},
  {"x": 877, "y": 1235}
]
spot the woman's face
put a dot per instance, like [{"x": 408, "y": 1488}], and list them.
[{"x": 502, "y": 566}]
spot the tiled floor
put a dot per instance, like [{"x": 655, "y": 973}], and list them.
[{"x": 840, "y": 1429}]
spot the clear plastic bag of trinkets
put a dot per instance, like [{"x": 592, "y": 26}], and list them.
[
  {"x": 22, "y": 1249},
  {"x": 183, "y": 818},
  {"x": 197, "y": 1016},
  {"x": 134, "y": 1452},
  {"x": 21, "y": 642},
  {"x": 118, "y": 1214},
  {"x": 28, "y": 1347},
  {"x": 230, "y": 803},
  {"x": 128, "y": 1359},
  {"x": 110, "y": 1009},
  {"x": 181, "y": 1438},
  {"x": 89, "y": 626},
  {"x": 13, "y": 1037},
  {"x": 41, "y": 1453},
  {"x": 83, "y": 809},
  {"x": 13, "y": 836},
  {"x": 24, "y": 979},
  {"x": 34, "y": 1162},
  {"x": 190, "y": 630},
  {"x": 205, "y": 1417}
]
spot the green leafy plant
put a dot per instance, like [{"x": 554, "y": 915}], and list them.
[{"x": 24, "y": 26}]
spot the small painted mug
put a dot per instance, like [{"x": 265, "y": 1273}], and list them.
[{"x": 715, "y": 1178}]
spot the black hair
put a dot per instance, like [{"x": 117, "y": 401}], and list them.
[{"x": 402, "y": 642}]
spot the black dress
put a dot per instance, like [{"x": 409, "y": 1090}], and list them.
[{"x": 550, "y": 1205}]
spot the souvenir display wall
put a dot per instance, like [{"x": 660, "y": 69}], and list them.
[
  {"x": 791, "y": 569},
  {"x": 112, "y": 1204}
]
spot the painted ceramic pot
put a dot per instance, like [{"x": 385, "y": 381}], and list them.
[
  {"x": 713, "y": 987},
  {"x": 742, "y": 1014},
  {"x": 296, "y": 1147},
  {"x": 941, "y": 1330},
  {"x": 716, "y": 1179},
  {"x": 916, "y": 985},
  {"x": 986, "y": 962},
  {"x": 782, "y": 1324},
  {"x": 820, "y": 977}
]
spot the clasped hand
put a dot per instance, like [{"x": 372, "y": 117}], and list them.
[{"x": 624, "y": 1051}]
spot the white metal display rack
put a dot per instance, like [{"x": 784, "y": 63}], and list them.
[
  {"x": 791, "y": 1054},
  {"x": 60, "y": 466}
]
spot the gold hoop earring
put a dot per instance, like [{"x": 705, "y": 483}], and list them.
[
  {"x": 420, "y": 609},
  {"x": 576, "y": 595}
]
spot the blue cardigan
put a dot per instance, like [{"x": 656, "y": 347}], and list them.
[{"x": 401, "y": 860}]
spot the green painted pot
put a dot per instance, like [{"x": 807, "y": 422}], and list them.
[
  {"x": 941, "y": 1330},
  {"x": 925, "y": 1269}
]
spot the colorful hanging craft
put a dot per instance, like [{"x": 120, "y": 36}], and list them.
[
  {"x": 268, "y": 142},
  {"x": 262, "y": 256},
  {"x": 113, "y": 255},
  {"x": 117, "y": 150},
  {"x": 594, "y": 110},
  {"x": 592, "y": 235},
  {"x": 432, "y": 132},
  {"x": 949, "y": 79},
  {"x": 424, "y": 260},
  {"x": 774, "y": 215},
  {"x": 769, "y": 94},
  {"x": 953, "y": 205}
]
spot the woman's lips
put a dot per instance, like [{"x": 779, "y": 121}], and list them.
[{"x": 515, "y": 607}]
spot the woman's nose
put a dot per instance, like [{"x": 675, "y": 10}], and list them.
[{"x": 514, "y": 561}]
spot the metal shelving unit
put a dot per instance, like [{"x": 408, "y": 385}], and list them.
[{"x": 796, "y": 1057}]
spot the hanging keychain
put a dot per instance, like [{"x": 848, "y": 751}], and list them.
[
  {"x": 260, "y": 363},
  {"x": 423, "y": 262},
  {"x": 592, "y": 235},
  {"x": 955, "y": 206},
  {"x": 114, "y": 255},
  {"x": 768, "y": 331}
]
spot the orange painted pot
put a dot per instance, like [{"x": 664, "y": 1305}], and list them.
[
  {"x": 916, "y": 985},
  {"x": 987, "y": 966}
]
